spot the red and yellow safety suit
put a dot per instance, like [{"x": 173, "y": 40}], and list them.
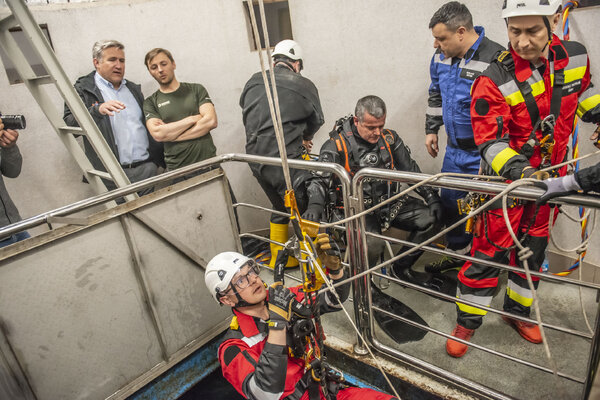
[
  {"x": 261, "y": 370},
  {"x": 502, "y": 125}
]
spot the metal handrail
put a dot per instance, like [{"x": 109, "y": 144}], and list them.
[
  {"x": 352, "y": 195},
  {"x": 526, "y": 193},
  {"x": 81, "y": 205},
  {"x": 487, "y": 187}
]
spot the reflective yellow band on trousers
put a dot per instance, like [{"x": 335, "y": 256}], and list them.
[
  {"x": 470, "y": 310},
  {"x": 520, "y": 298}
]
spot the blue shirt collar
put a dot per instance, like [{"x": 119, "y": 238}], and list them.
[
  {"x": 469, "y": 54},
  {"x": 101, "y": 81}
]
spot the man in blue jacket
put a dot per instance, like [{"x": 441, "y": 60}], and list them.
[{"x": 462, "y": 54}]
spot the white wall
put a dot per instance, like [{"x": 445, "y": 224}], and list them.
[{"x": 352, "y": 48}]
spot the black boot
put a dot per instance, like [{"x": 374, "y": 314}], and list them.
[
  {"x": 437, "y": 282},
  {"x": 444, "y": 264},
  {"x": 406, "y": 273}
]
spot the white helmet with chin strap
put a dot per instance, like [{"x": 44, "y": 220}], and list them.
[
  {"x": 543, "y": 8},
  {"x": 221, "y": 269},
  {"x": 518, "y": 8},
  {"x": 288, "y": 48}
]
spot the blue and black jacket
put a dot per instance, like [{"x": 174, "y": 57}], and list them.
[{"x": 450, "y": 90}]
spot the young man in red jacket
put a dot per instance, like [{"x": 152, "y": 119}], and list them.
[
  {"x": 254, "y": 356},
  {"x": 522, "y": 113}
]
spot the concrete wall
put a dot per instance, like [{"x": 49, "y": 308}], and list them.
[{"x": 352, "y": 48}]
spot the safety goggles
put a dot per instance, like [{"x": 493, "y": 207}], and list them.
[{"x": 243, "y": 281}]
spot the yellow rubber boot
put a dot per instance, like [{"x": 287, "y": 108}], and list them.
[{"x": 279, "y": 233}]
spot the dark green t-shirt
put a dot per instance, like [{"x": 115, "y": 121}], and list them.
[{"x": 174, "y": 106}]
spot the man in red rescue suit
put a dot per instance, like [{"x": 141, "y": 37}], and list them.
[
  {"x": 522, "y": 104},
  {"x": 255, "y": 354},
  {"x": 359, "y": 142}
]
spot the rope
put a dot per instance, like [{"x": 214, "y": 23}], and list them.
[
  {"x": 579, "y": 249},
  {"x": 473, "y": 213},
  {"x": 435, "y": 177},
  {"x": 565, "y": 17},
  {"x": 331, "y": 288},
  {"x": 273, "y": 103},
  {"x": 524, "y": 254},
  {"x": 582, "y": 214},
  {"x": 562, "y": 164},
  {"x": 276, "y": 117},
  {"x": 432, "y": 178}
]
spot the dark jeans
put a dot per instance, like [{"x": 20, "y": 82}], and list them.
[
  {"x": 136, "y": 174},
  {"x": 17, "y": 237}
]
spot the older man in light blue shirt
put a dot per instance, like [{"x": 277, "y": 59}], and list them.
[
  {"x": 116, "y": 106},
  {"x": 130, "y": 134}
]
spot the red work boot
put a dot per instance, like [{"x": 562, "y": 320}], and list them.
[
  {"x": 529, "y": 331},
  {"x": 458, "y": 349}
]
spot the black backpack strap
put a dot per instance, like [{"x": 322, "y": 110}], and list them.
[
  {"x": 385, "y": 150},
  {"x": 349, "y": 136},
  {"x": 556, "y": 101},
  {"x": 546, "y": 125},
  {"x": 507, "y": 62}
]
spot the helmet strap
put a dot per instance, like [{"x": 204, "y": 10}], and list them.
[
  {"x": 549, "y": 29},
  {"x": 241, "y": 302}
]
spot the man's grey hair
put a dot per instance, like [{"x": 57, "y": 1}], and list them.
[
  {"x": 453, "y": 15},
  {"x": 101, "y": 45},
  {"x": 372, "y": 105}
]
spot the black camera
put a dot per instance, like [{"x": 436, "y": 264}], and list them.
[{"x": 13, "y": 121}]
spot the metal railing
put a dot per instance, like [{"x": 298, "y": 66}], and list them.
[
  {"x": 357, "y": 249},
  {"x": 367, "y": 322}
]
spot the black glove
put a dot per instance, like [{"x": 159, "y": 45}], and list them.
[
  {"x": 532, "y": 173},
  {"x": 435, "y": 206},
  {"x": 313, "y": 213},
  {"x": 330, "y": 256},
  {"x": 556, "y": 187},
  {"x": 280, "y": 306}
]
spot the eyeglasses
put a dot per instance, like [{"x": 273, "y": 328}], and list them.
[{"x": 243, "y": 281}]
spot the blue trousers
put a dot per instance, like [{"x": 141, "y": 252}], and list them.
[
  {"x": 464, "y": 162},
  {"x": 17, "y": 237}
]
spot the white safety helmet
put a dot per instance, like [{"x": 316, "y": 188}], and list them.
[
  {"x": 288, "y": 48},
  {"x": 518, "y": 8},
  {"x": 221, "y": 269}
]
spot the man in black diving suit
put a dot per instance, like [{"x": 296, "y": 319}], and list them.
[{"x": 362, "y": 141}]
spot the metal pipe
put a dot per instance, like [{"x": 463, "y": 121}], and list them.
[
  {"x": 266, "y": 209},
  {"x": 477, "y": 346},
  {"x": 454, "y": 183},
  {"x": 593, "y": 361},
  {"x": 40, "y": 219},
  {"x": 467, "y": 384},
  {"x": 471, "y": 185},
  {"x": 451, "y": 299},
  {"x": 541, "y": 275}
]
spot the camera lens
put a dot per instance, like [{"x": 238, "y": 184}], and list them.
[{"x": 13, "y": 121}]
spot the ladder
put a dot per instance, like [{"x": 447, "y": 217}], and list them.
[{"x": 21, "y": 16}]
